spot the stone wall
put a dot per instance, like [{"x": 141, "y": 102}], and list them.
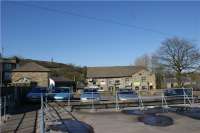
[
  {"x": 108, "y": 84},
  {"x": 144, "y": 80},
  {"x": 41, "y": 78}
]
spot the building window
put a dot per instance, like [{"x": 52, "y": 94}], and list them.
[
  {"x": 117, "y": 82},
  {"x": 126, "y": 80},
  {"x": 144, "y": 87},
  {"x": 102, "y": 82},
  {"x": 151, "y": 87},
  {"x": 90, "y": 80},
  {"x": 7, "y": 67},
  {"x": 94, "y": 82},
  {"x": 17, "y": 65},
  {"x": 111, "y": 82},
  {"x": 143, "y": 79},
  {"x": 7, "y": 76},
  {"x": 137, "y": 88},
  {"x": 110, "y": 88}
]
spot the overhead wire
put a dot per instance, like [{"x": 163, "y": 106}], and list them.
[{"x": 95, "y": 18}]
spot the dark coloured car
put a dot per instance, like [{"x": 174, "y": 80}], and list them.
[
  {"x": 35, "y": 94},
  {"x": 179, "y": 92}
]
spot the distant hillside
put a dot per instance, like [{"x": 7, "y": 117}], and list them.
[{"x": 59, "y": 69}]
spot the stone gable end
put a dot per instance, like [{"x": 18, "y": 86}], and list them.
[{"x": 41, "y": 78}]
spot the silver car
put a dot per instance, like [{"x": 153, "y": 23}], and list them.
[
  {"x": 90, "y": 95},
  {"x": 126, "y": 95}
]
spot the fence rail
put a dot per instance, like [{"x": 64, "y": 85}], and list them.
[
  {"x": 141, "y": 102},
  {"x": 6, "y": 103}
]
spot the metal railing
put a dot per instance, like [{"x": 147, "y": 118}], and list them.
[
  {"x": 49, "y": 113},
  {"x": 141, "y": 104},
  {"x": 116, "y": 101},
  {"x": 187, "y": 98},
  {"x": 6, "y": 103},
  {"x": 46, "y": 111},
  {"x": 144, "y": 100},
  {"x": 164, "y": 102},
  {"x": 42, "y": 116}
]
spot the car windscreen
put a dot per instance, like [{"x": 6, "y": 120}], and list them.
[
  {"x": 61, "y": 90},
  {"x": 90, "y": 95},
  {"x": 127, "y": 92},
  {"x": 38, "y": 90},
  {"x": 179, "y": 92},
  {"x": 90, "y": 90}
]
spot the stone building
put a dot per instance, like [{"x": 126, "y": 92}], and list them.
[
  {"x": 144, "y": 79},
  {"x": 110, "y": 78},
  {"x": 6, "y": 67},
  {"x": 31, "y": 73}
]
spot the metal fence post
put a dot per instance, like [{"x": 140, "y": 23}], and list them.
[
  {"x": 42, "y": 128},
  {"x": 184, "y": 97},
  {"x": 10, "y": 103},
  {"x": 92, "y": 100},
  {"x": 116, "y": 101},
  {"x": 0, "y": 110},
  {"x": 4, "y": 108},
  {"x": 162, "y": 100},
  {"x": 46, "y": 99},
  {"x": 193, "y": 97},
  {"x": 68, "y": 100}
]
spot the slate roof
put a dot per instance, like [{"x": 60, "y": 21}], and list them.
[
  {"x": 112, "y": 72},
  {"x": 31, "y": 67},
  {"x": 9, "y": 60}
]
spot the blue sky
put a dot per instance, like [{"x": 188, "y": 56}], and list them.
[{"x": 94, "y": 33}]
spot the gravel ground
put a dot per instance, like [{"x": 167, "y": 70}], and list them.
[{"x": 117, "y": 122}]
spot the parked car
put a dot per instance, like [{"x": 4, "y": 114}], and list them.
[
  {"x": 100, "y": 89},
  {"x": 178, "y": 92},
  {"x": 61, "y": 93},
  {"x": 126, "y": 95},
  {"x": 90, "y": 94},
  {"x": 35, "y": 94}
]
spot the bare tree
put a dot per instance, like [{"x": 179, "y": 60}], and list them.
[
  {"x": 180, "y": 56},
  {"x": 144, "y": 61},
  {"x": 158, "y": 70}
]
